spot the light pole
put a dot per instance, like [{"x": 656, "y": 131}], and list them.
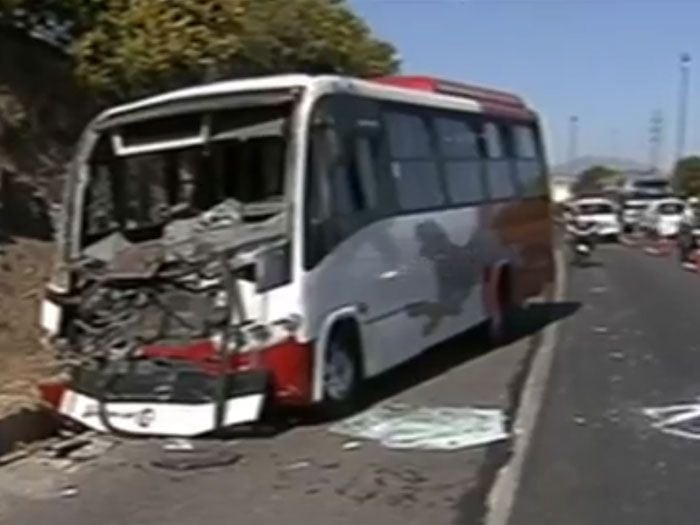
[
  {"x": 685, "y": 60},
  {"x": 573, "y": 137},
  {"x": 656, "y": 130}
]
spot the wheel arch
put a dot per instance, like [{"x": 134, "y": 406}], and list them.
[
  {"x": 346, "y": 318},
  {"x": 499, "y": 285}
]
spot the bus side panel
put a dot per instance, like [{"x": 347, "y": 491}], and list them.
[
  {"x": 416, "y": 280},
  {"x": 445, "y": 253},
  {"x": 525, "y": 226}
]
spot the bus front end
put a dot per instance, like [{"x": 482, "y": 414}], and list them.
[{"x": 172, "y": 307}]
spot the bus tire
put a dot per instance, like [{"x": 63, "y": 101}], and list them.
[
  {"x": 342, "y": 371},
  {"x": 501, "y": 318}
]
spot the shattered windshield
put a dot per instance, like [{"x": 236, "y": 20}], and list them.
[{"x": 139, "y": 193}]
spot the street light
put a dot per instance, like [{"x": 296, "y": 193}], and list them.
[
  {"x": 685, "y": 61},
  {"x": 573, "y": 137}
]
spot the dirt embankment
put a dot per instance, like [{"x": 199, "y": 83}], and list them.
[
  {"x": 41, "y": 114},
  {"x": 24, "y": 268}
]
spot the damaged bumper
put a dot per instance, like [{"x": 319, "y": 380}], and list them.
[{"x": 160, "y": 399}]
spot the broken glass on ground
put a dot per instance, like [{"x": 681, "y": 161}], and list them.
[{"x": 425, "y": 428}]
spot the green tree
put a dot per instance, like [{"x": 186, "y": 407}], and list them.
[
  {"x": 125, "y": 48},
  {"x": 140, "y": 46},
  {"x": 686, "y": 176},
  {"x": 313, "y": 36},
  {"x": 595, "y": 180}
]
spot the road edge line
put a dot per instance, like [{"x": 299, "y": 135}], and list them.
[{"x": 501, "y": 497}]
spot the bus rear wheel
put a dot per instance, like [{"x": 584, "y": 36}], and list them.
[{"x": 500, "y": 324}]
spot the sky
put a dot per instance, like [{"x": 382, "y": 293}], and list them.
[{"x": 612, "y": 63}]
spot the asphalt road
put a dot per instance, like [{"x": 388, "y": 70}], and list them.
[
  {"x": 596, "y": 456},
  {"x": 300, "y": 474}
]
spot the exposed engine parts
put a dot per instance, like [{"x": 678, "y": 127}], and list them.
[
  {"x": 117, "y": 317},
  {"x": 182, "y": 287}
]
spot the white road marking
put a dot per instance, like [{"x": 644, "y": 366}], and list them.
[
  {"x": 668, "y": 419},
  {"x": 502, "y": 495}
]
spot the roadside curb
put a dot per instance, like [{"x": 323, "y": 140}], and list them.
[
  {"x": 501, "y": 497},
  {"x": 26, "y": 426}
]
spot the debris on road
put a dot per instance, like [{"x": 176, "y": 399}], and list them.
[
  {"x": 178, "y": 445},
  {"x": 13, "y": 456},
  {"x": 298, "y": 465},
  {"x": 198, "y": 459},
  {"x": 351, "y": 445},
  {"x": 69, "y": 492},
  {"x": 83, "y": 447},
  {"x": 437, "y": 428},
  {"x": 599, "y": 289},
  {"x": 601, "y": 329},
  {"x": 96, "y": 448},
  {"x": 580, "y": 420},
  {"x": 618, "y": 356}
]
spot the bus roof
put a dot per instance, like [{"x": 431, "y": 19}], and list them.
[
  {"x": 491, "y": 100},
  {"x": 411, "y": 89}
]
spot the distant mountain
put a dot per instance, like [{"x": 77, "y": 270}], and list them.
[{"x": 576, "y": 166}]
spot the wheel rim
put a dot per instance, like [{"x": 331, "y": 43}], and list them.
[{"x": 339, "y": 374}]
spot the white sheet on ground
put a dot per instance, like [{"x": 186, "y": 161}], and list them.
[{"x": 424, "y": 428}]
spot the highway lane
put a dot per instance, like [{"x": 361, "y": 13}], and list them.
[
  {"x": 596, "y": 456},
  {"x": 303, "y": 474}
]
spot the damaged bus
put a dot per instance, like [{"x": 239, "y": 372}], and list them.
[{"x": 280, "y": 240}]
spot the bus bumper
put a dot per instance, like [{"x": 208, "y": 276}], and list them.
[
  {"x": 182, "y": 390},
  {"x": 197, "y": 404}
]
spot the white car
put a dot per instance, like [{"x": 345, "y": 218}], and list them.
[
  {"x": 602, "y": 212},
  {"x": 663, "y": 218}
]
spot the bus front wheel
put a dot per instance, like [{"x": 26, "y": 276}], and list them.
[{"x": 342, "y": 372}]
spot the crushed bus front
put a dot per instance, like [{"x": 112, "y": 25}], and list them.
[{"x": 170, "y": 306}]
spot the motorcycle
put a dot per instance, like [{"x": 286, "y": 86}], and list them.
[{"x": 582, "y": 245}]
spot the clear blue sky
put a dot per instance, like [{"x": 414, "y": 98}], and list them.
[{"x": 611, "y": 62}]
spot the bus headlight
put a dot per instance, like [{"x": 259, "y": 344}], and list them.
[{"x": 273, "y": 268}]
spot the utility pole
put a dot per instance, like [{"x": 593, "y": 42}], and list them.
[
  {"x": 685, "y": 61},
  {"x": 573, "y": 138},
  {"x": 656, "y": 134}
]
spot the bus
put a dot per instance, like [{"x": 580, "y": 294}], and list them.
[{"x": 277, "y": 241}]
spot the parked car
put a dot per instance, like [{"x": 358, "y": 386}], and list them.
[
  {"x": 637, "y": 195},
  {"x": 602, "y": 212},
  {"x": 663, "y": 218}
]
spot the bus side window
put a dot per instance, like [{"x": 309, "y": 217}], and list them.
[
  {"x": 365, "y": 161},
  {"x": 498, "y": 165},
  {"x": 342, "y": 184},
  {"x": 459, "y": 148},
  {"x": 528, "y": 164},
  {"x": 414, "y": 167}
]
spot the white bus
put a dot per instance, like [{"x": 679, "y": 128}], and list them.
[{"x": 282, "y": 239}]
